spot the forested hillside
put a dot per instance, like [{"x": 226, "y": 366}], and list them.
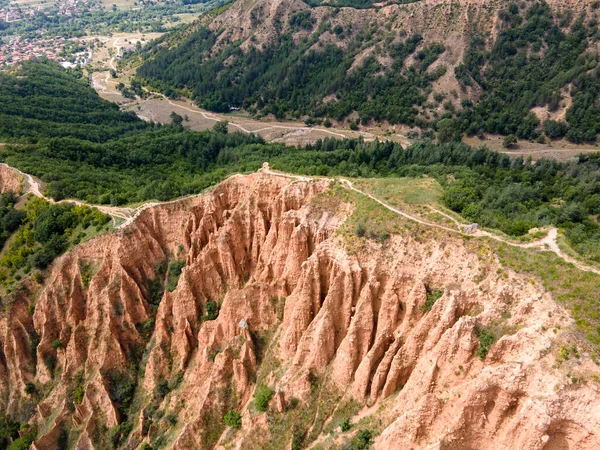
[
  {"x": 85, "y": 147},
  {"x": 167, "y": 162},
  {"x": 538, "y": 60},
  {"x": 367, "y": 66},
  {"x": 290, "y": 80},
  {"x": 43, "y": 101}
]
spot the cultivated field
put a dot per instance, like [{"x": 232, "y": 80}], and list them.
[{"x": 121, "y": 4}]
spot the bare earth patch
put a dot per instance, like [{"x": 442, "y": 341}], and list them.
[
  {"x": 159, "y": 109},
  {"x": 559, "y": 150}
]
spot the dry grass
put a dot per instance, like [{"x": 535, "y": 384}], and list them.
[
  {"x": 399, "y": 191},
  {"x": 184, "y": 18},
  {"x": 371, "y": 221},
  {"x": 559, "y": 150},
  {"x": 121, "y": 4},
  {"x": 575, "y": 289},
  {"x": 30, "y": 2},
  {"x": 419, "y": 197}
]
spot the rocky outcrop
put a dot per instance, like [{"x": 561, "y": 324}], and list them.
[
  {"x": 10, "y": 180},
  {"x": 127, "y": 347}
]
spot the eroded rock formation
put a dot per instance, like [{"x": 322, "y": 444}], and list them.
[{"x": 125, "y": 349}]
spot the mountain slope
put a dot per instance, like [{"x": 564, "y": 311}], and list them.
[
  {"x": 259, "y": 298},
  {"x": 485, "y": 66}
]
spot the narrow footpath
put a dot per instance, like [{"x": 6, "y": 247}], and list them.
[{"x": 128, "y": 215}]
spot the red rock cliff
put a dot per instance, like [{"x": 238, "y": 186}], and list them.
[{"x": 139, "y": 361}]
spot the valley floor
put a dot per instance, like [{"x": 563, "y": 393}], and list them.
[
  {"x": 560, "y": 150},
  {"x": 158, "y": 108}
]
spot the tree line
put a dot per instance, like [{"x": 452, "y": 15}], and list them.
[{"x": 165, "y": 162}]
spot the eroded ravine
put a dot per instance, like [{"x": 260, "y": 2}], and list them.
[{"x": 302, "y": 310}]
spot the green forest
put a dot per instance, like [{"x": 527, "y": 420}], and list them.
[
  {"x": 51, "y": 103},
  {"x": 38, "y": 232},
  {"x": 536, "y": 56},
  {"x": 163, "y": 162},
  {"x": 289, "y": 80}
]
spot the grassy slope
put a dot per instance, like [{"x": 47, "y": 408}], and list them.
[{"x": 575, "y": 289}]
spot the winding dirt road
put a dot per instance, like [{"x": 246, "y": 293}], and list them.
[
  {"x": 127, "y": 214},
  {"x": 33, "y": 187}
]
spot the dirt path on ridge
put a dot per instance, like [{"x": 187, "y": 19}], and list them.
[
  {"x": 547, "y": 243},
  {"x": 128, "y": 215}
]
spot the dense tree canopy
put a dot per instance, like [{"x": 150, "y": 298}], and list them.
[
  {"x": 43, "y": 101},
  {"x": 10, "y": 217},
  {"x": 291, "y": 80},
  {"x": 535, "y": 57},
  {"x": 166, "y": 162},
  {"x": 40, "y": 232},
  {"x": 536, "y": 60}
]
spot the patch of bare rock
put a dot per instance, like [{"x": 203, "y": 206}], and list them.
[{"x": 295, "y": 306}]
